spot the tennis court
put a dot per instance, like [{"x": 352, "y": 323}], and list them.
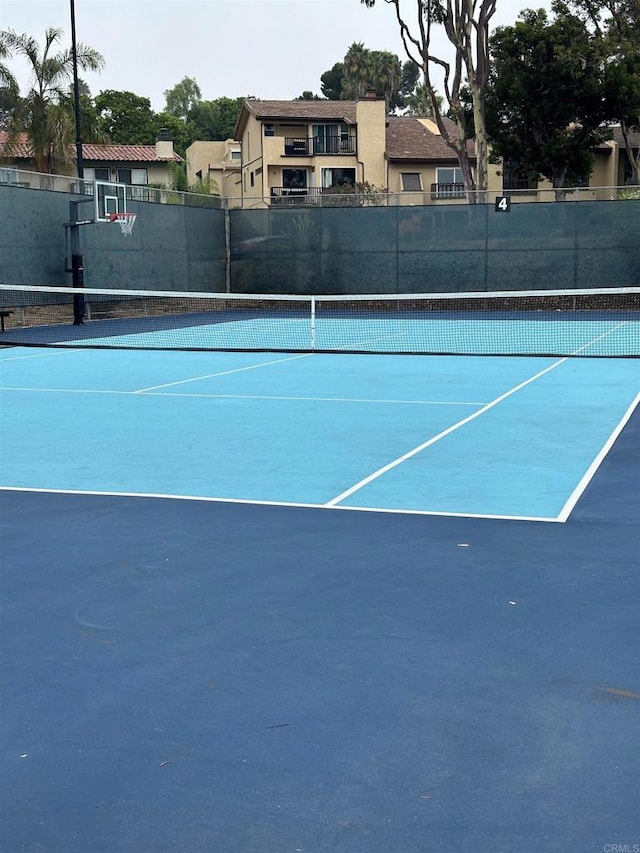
[{"x": 289, "y": 596}]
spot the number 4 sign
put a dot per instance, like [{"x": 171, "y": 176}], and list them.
[{"x": 503, "y": 204}]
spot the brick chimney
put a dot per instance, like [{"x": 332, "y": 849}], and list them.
[{"x": 164, "y": 145}]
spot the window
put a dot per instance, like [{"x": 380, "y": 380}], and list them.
[
  {"x": 131, "y": 176},
  {"x": 338, "y": 178},
  {"x": 331, "y": 138},
  {"x": 252, "y": 179},
  {"x": 294, "y": 181},
  {"x": 237, "y": 155},
  {"x": 515, "y": 178},
  {"x": 99, "y": 174},
  {"x": 411, "y": 181},
  {"x": 269, "y": 130},
  {"x": 449, "y": 183}
]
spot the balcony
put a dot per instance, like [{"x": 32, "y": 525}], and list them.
[
  {"x": 347, "y": 196},
  {"x": 447, "y": 191},
  {"x": 298, "y": 146},
  {"x": 294, "y": 196}
]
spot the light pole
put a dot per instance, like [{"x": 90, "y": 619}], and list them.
[
  {"x": 77, "y": 267},
  {"x": 76, "y": 92}
]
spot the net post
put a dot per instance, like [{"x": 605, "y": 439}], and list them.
[
  {"x": 77, "y": 266},
  {"x": 313, "y": 323}
]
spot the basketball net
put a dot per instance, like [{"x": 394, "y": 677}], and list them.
[{"x": 126, "y": 222}]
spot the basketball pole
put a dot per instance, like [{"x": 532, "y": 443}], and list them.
[{"x": 77, "y": 266}]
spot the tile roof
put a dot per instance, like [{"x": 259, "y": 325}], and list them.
[
  {"x": 409, "y": 139},
  {"x": 97, "y": 153},
  {"x": 130, "y": 153},
  {"x": 338, "y": 110}
]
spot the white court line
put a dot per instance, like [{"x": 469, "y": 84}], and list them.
[
  {"x": 222, "y": 373},
  {"x": 46, "y": 354},
  {"x": 394, "y": 463},
  {"x": 577, "y": 493},
  {"x": 288, "y": 398},
  {"x": 292, "y": 504}
]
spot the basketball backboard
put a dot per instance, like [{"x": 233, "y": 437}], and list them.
[{"x": 109, "y": 198}]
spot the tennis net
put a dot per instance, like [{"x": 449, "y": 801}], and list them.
[{"x": 599, "y": 322}]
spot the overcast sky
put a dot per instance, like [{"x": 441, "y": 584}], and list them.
[{"x": 272, "y": 49}]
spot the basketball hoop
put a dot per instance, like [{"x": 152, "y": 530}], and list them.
[{"x": 125, "y": 220}]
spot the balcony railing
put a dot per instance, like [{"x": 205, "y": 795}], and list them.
[
  {"x": 439, "y": 191},
  {"x": 299, "y": 146},
  {"x": 346, "y": 196}
]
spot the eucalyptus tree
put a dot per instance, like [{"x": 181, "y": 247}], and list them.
[
  {"x": 46, "y": 112},
  {"x": 466, "y": 26},
  {"x": 182, "y": 97}
]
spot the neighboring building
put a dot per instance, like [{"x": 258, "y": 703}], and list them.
[
  {"x": 293, "y": 152},
  {"x": 216, "y": 167},
  {"x": 420, "y": 164},
  {"x": 127, "y": 164}
]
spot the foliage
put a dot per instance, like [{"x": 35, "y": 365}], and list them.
[
  {"x": 176, "y": 128},
  {"x": 419, "y": 103},
  {"x": 546, "y": 101},
  {"x": 363, "y": 69},
  {"x": 308, "y": 96},
  {"x": 331, "y": 82},
  {"x": 205, "y": 186},
  {"x": 182, "y": 97},
  {"x": 617, "y": 23},
  {"x": 9, "y": 102},
  {"x": 360, "y": 194},
  {"x": 126, "y": 118},
  {"x": 178, "y": 176},
  {"x": 214, "y": 120},
  {"x": 7, "y": 79},
  {"x": 46, "y": 112}
]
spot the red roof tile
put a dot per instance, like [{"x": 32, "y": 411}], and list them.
[{"x": 93, "y": 152}]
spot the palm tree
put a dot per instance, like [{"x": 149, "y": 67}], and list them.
[
  {"x": 46, "y": 113},
  {"x": 420, "y": 104},
  {"x": 7, "y": 80},
  {"x": 386, "y": 73},
  {"x": 9, "y": 90},
  {"x": 357, "y": 72}
]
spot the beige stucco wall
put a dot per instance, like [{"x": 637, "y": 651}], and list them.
[
  {"x": 371, "y": 119},
  {"x": 213, "y": 161},
  {"x": 253, "y": 159}
]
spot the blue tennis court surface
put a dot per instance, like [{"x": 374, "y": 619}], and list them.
[
  {"x": 201, "y": 652},
  {"x": 596, "y": 337},
  {"x": 501, "y": 437}
]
